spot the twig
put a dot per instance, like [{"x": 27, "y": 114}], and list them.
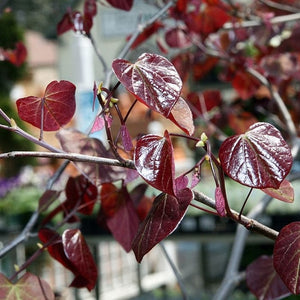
[
  {"x": 247, "y": 222},
  {"x": 259, "y": 22},
  {"x": 280, "y": 6},
  {"x": 175, "y": 271},
  {"x": 70, "y": 156}
]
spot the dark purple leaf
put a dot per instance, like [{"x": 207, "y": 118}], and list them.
[
  {"x": 153, "y": 80},
  {"x": 260, "y": 158},
  {"x": 153, "y": 158},
  {"x": 263, "y": 281},
  {"x": 165, "y": 215},
  {"x": 52, "y": 111},
  {"x": 78, "y": 252},
  {"x": 286, "y": 256}
]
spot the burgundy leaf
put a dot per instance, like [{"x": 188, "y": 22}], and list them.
[
  {"x": 220, "y": 202},
  {"x": 263, "y": 281},
  {"x": 121, "y": 4},
  {"x": 28, "y": 287},
  {"x": 78, "y": 252},
  {"x": 165, "y": 215},
  {"x": 124, "y": 223},
  {"x": 53, "y": 242},
  {"x": 284, "y": 193},
  {"x": 153, "y": 158},
  {"x": 153, "y": 80},
  {"x": 72, "y": 140},
  {"x": 54, "y": 110},
  {"x": 82, "y": 193},
  {"x": 177, "y": 38},
  {"x": 286, "y": 256},
  {"x": 182, "y": 116},
  {"x": 126, "y": 139},
  {"x": 260, "y": 158},
  {"x": 181, "y": 182}
]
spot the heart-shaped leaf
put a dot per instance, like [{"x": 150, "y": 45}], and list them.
[
  {"x": 284, "y": 193},
  {"x": 52, "y": 111},
  {"x": 28, "y": 287},
  {"x": 286, "y": 256},
  {"x": 260, "y": 158},
  {"x": 78, "y": 252},
  {"x": 263, "y": 280},
  {"x": 165, "y": 215},
  {"x": 153, "y": 80},
  {"x": 154, "y": 161}
]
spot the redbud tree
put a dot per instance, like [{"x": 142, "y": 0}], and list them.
[{"x": 251, "y": 138}]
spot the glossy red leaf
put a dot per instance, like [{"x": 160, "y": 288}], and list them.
[
  {"x": 74, "y": 141},
  {"x": 28, "y": 287},
  {"x": 165, "y": 215},
  {"x": 220, "y": 202},
  {"x": 52, "y": 111},
  {"x": 153, "y": 80},
  {"x": 154, "y": 161},
  {"x": 182, "y": 116},
  {"x": 260, "y": 158},
  {"x": 284, "y": 193},
  {"x": 123, "y": 224},
  {"x": 121, "y": 4},
  {"x": 53, "y": 241},
  {"x": 263, "y": 281},
  {"x": 78, "y": 252}
]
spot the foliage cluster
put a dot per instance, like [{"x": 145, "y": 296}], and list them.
[{"x": 252, "y": 139}]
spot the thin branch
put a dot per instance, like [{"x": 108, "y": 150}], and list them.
[
  {"x": 280, "y": 6},
  {"x": 98, "y": 54},
  {"x": 175, "y": 271},
  {"x": 260, "y": 22},
  {"x": 76, "y": 157},
  {"x": 248, "y": 223}
]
